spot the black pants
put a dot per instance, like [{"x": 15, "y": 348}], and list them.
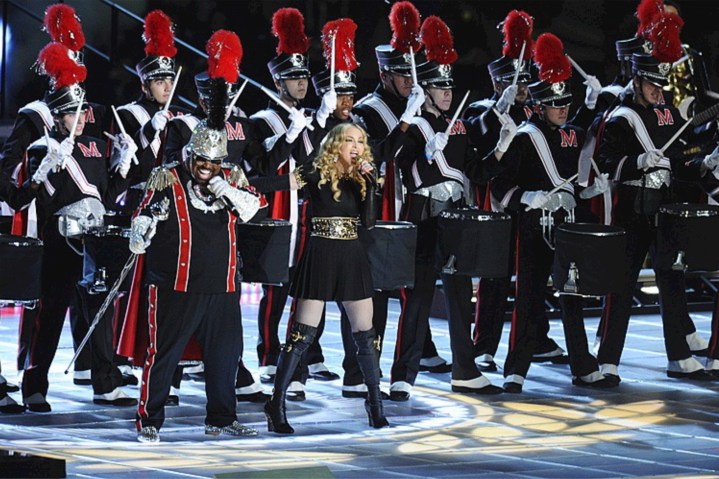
[
  {"x": 61, "y": 270},
  {"x": 173, "y": 318},
  {"x": 641, "y": 234}
]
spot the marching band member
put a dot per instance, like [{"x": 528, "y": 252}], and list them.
[
  {"x": 433, "y": 159},
  {"x": 73, "y": 189}
]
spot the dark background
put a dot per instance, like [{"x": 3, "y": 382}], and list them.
[{"x": 587, "y": 27}]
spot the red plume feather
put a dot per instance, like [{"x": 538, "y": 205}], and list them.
[
  {"x": 224, "y": 52},
  {"x": 437, "y": 40},
  {"x": 646, "y": 11},
  {"x": 288, "y": 25},
  {"x": 158, "y": 35},
  {"x": 664, "y": 35},
  {"x": 63, "y": 25},
  {"x": 344, "y": 31},
  {"x": 56, "y": 60},
  {"x": 549, "y": 56},
  {"x": 517, "y": 28},
  {"x": 405, "y": 23}
]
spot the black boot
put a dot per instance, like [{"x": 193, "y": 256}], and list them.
[
  {"x": 367, "y": 357},
  {"x": 290, "y": 354}
]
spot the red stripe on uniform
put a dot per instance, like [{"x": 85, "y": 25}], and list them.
[
  {"x": 151, "y": 352},
  {"x": 232, "y": 260},
  {"x": 185, "y": 244}
]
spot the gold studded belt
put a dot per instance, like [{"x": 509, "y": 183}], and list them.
[{"x": 335, "y": 227}]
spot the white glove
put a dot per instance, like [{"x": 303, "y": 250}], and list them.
[
  {"x": 437, "y": 143},
  {"x": 244, "y": 202},
  {"x": 49, "y": 163},
  {"x": 298, "y": 122},
  {"x": 535, "y": 199},
  {"x": 711, "y": 161},
  {"x": 506, "y": 135},
  {"x": 594, "y": 88},
  {"x": 414, "y": 103},
  {"x": 124, "y": 150},
  {"x": 141, "y": 232},
  {"x": 648, "y": 160},
  {"x": 66, "y": 149},
  {"x": 506, "y": 100},
  {"x": 329, "y": 104},
  {"x": 160, "y": 119},
  {"x": 601, "y": 184}
]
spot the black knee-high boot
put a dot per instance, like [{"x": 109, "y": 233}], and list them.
[
  {"x": 368, "y": 360},
  {"x": 300, "y": 339}
]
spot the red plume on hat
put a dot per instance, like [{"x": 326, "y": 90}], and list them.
[
  {"x": 646, "y": 11},
  {"x": 56, "y": 60},
  {"x": 437, "y": 40},
  {"x": 224, "y": 52},
  {"x": 517, "y": 28},
  {"x": 554, "y": 66},
  {"x": 63, "y": 26},
  {"x": 159, "y": 35},
  {"x": 344, "y": 32},
  {"x": 288, "y": 25},
  {"x": 664, "y": 35},
  {"x": 405, "y": 23}
]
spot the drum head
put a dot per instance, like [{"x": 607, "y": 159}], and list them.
[
  {"x": 686, "y": 237},
  {"x": 21, "y": 260},
  {"x": 595, "y": 253}
]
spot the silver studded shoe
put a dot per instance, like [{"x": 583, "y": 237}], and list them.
[
  {"x": 148, "y": 434},
  {"x": 234, "y": 429}
]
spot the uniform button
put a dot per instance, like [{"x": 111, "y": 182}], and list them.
[
  {"x": 184, "y": 241},
  {"x": 182, "y": 219},
  {"x": 183, "y": 264}
]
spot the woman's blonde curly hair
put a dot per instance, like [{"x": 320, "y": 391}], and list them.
[{"x": 327, "y": 158}]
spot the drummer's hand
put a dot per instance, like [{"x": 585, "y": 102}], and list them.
[
  {"x": 594, "y": 88},
  {"x": 66, "y": 148},
  {"x": 141, "y": 232},
  {"x": 601, "y": 184},
  {"x": 711, "y": 161},
  {"x": 535, "y": 199},
  {"x": 437, "y": 143},
  {"x": 48, "y": 164},
  {"x": 160, "y": 119}
]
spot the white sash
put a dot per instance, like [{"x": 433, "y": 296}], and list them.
[
  {"x": 545, "y": 156},
  {"x": 445, "y": 170}
]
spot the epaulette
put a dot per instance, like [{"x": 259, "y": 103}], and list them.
[
  {"x": 161, "y": 178},
  {"x": 237, "y": 176}
]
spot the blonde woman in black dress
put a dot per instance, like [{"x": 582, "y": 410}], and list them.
[{"x": 334, "y": 266}]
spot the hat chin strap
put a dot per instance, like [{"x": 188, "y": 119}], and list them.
[
  {"x": 434, "y": 104},
  {"x": 285, "y": 91}
]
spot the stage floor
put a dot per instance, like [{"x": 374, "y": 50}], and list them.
[{"x": 649, "y": 426}]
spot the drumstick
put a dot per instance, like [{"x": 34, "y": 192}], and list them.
[
  {"x": 519, "y": 64},
  {"x": 332, "y": 63},
  {"x": 77, "y": 116},
  {"x": 112, "y": 137},
  {"x": 676, "y": 135},
  {"x": 413, "y": 65},
  {"x": 456, "y": 113},
  {"x": 578, "y": 68},
  {"x": 273, "y": 96},
  {"x": 172, "y": 92},
  {"x": 558, "y": 187},
  {"x": 234, "y": 100}
]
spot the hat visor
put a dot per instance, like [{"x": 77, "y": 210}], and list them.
[
  {"x": 446, "y": 84},
  {"x": 656, "y": 81}
]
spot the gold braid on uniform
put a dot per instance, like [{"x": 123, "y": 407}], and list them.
[
  {"x": 160, "y": 178},
  {"x": 237, "y": 177}
]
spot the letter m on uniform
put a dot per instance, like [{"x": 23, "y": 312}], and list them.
[
  {"x": 569, "y": 138},
  {"x": 664, "y": 117},
  {"x": 90, "y": 150},
  {"x": 234, "y": 133}
]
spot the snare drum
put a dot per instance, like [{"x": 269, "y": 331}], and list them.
[
  {"x": 474, "y": 242},
  {"x": 21, "y": 259},
  {"x": 390, "y": 248},
  {"x": 106, "y": 250},
  {"x": 686, "y": 237},
  {"x": 589, "y": 259},
  {"x": 264, "y": 249}
]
